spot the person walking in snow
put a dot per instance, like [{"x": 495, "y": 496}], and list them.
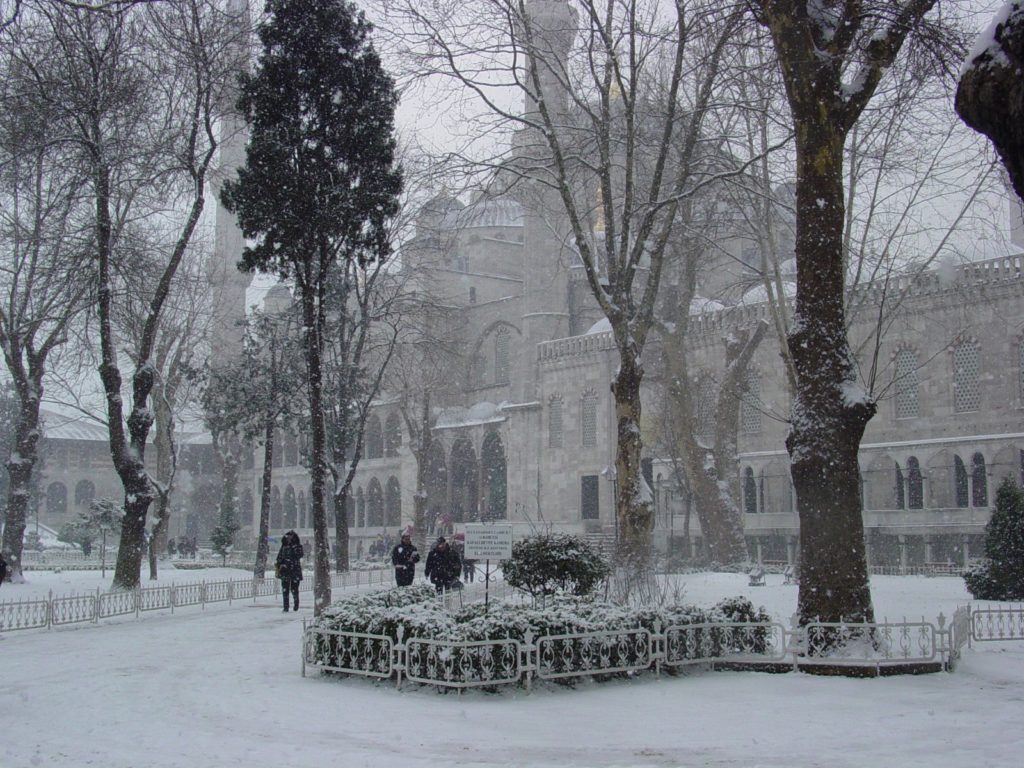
[
  {"x": 404, "y": 557},
  {"x": 289, "y": 568},
  {"x": 443, "y": 566},
  {"x": 3, "y": 569}
]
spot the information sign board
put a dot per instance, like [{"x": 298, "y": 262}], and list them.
[{"x": 488, "y": 542}]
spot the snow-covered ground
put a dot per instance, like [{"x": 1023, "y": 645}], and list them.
[{"x": 221, "y": 687}]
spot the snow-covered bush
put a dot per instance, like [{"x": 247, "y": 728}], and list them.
[
  {"x": 553, "y": 562},
  {"x": 419, "y": 613},
  {"x": 1001, "y": 575}
]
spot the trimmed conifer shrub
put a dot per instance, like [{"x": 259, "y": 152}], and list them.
[
  {"x": 1001, "y": 575},
  {"x": 555, "y": 562}
]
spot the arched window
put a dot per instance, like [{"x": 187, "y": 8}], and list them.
[
  {"x": 555, "y": 422},
  {"x": 374, "y": 504},
  {"x": 275, "y": 508},
  {"x": 749, "y": 492},
  {"x": 350, "y": 510},
  {"x": 966, "y": 375},
  {"x": 705, "y": 406},
  {"x": 85, "y": 491},
  {"x": 392, "y": 503},
  {"x": 502, "y": 337},
  {"x": 906, "y": 382},
  {"x": 464, "y": 482},
  {"x": 374, "y": 439},
  {"x": 960, "y": 483},
  {"x": 495, "y": 477},
  {"x": 247, "y": 507},
  {"x": 750, "y": 404},
  {"x": 900, "y": 491},
  {"x": 291, "y": 509},
  {"x": 360, "y": 509},
  {"x": 915, "y": 484},
  {"x": 56, "y": 499},
  {"x": 588, "y": 419},
  {"x": 979, "y": 481},
  {"x": 392, "y": 435}
]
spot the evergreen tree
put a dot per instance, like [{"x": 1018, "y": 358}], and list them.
[
  {"x": 319, "y": 184},
  {"x": 1001, "y": 576},
  {"x": 223, "y": 535}
]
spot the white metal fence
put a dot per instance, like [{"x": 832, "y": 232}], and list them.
[
  {"x": 58, "y": 610},
  {"x": 507, "y": 661},
  {"x": 1001, "y": 622}
]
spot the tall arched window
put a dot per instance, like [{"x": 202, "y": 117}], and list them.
[
  {"x": 960, "y": 482},
  {"x": 900, "y": 492},
  {"x": 750, "y": 404},
  {"x": 979, "y": 481},
  {"x": 906, "y": 382},
  {"x": 495, "y": 477},
  {"x": 56, "y": 499},
  {"x": 463, "y": 468},
  {"x": 275, "y": 508},
  {"x": 502, "y": 339},
  {"x": 915, "y": 484},
  {"x": 392, "y": 503},
  {"x": 966, "y": 375},
  {"x": 749, "y": 492},
  {"x": 291, "y": 508},
  {"x": 392, "y": 434},
  {"x": 374, "y": 504},
  {"x": 374, "y": 439},
  {"x": 588, "y": 420},
  {"x": 85, "y": 492},
  {"x": 555, "y": 422}
]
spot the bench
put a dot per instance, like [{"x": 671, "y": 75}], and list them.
[{"x": 756, "y": 575}]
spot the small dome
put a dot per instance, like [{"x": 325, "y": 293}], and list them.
[
  {"x": 497, "y": 212},
  {"x": 699, "y": 305},
  {"x": 601, "y": 326}
]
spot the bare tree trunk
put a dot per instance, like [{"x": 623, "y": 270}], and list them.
[
  {"x": 163, "y": 442},
  {"x": 341, "y": 523},
  {"x": 632, "y": 504},
  {"x": 19, "y": 469},
  {"x": 263, "y": 540},
  {"x": 312, "y": 328}
]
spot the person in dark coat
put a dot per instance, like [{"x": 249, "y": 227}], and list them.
[
  {"x": 3, "y": 569},
  {"x": 443, "y": 566},
  {"x": 404, "y": 557},
  {"x": 289, "y": 568}
]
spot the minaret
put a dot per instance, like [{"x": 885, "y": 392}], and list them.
[
  {"x": 227, "y": 283},
  {"x": 547, "y": 242}
]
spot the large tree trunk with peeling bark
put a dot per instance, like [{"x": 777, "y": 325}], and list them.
[
  {"x": 163, "y": 442},
  {"x": 990, "y": 95},
  {"x": 633, "y": 503},
  {"x": 829, "y": 411}
]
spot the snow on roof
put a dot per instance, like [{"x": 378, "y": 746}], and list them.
[
  {"x": 484, "y": 412},
  {"x": 758, "y": 294},
  {"x": 62, "y": 426},
  {"x": 601, "y": 326}
]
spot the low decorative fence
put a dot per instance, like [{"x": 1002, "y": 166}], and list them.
[
  {"x": 916, "y": 645},
  {"x": 997, "y": 623},
  {"x": 59, "y": 610}
]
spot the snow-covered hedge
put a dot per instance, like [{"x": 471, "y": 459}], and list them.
[{"x": 417, "y": 610}]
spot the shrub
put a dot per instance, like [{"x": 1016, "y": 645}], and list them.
[
  {"x": 554, "y": 562},
  {"x": 1001, "y": 576}
]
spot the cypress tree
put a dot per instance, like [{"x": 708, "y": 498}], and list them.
[{"x": 1001, "y": 576}]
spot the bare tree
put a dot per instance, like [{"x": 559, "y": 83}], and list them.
[
  {"x": 42, "y": 240},
  {"x": 617, "y": 97},
  {"x": 833, "y": 56}
]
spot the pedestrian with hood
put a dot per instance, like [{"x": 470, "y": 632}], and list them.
[
  {"x": 289, "y": 568},
  {"x": 443, "y": 566}
]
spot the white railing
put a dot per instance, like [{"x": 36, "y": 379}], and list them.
[
  {"x": 1003, "y": 622},
  {"x": 912, "y": 645},
  {"x": 58, "y": 610}
]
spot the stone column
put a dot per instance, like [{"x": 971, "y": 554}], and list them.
[{"x": 903, "y": 552}]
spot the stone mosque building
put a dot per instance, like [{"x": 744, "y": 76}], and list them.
[{"x": 528, "y": 433}]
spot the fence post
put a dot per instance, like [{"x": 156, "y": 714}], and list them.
[
  {"x": 202, "y": 594},
  {"x": 96, "y": 608},
  {"x": 49, "y": 610},
  {"x": 138, "y": 599},
  {"x": 173, "y": 596}
]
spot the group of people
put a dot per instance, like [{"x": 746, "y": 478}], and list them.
[
  {"x": 444, "y": 564},
  {"x": 184, "y": 547}
]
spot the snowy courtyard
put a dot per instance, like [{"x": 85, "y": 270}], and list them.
[{"x": 223, "y": 687}]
